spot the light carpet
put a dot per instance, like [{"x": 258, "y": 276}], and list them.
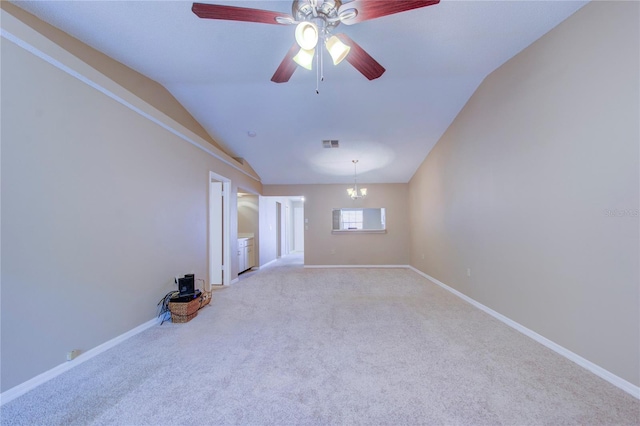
[{"x": 289, "y": 345}]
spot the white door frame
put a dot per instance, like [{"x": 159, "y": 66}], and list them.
[
  {"x": 226, "y": 235},
  {"x": 278, "y": 230},
  {"x": 287, "y": 225},
  {"x": 298, "y": 228}
]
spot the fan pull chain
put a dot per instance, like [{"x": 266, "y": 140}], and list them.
[
  {"x": 321, "y": 64},
  {"x": 318, "y": 71}
]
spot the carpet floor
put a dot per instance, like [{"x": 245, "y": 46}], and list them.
[{"x": 295, "y": 346}]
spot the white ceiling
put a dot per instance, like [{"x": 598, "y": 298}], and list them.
[{"x": 220, "y": 71}]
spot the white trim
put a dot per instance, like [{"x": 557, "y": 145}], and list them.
[
  {"x": 356, "y": 266},
  {"x": 235, "y": 280},
  {"x": 617, "y": 381},
  {"x": 22, "y": 388},
  {"x": 40, "y": 54},
  {"x": 226, "y": 230}
]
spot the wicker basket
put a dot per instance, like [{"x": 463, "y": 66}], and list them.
[
  {"x": 185, "y": 311},
  {"x": 206, "y": 298}
]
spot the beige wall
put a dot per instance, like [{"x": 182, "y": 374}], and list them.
[
  {"x": 520, "y": 187},
  {"x": 145, "y": 88},
  {"x": 101, "y": 207},
  {"x": 321, "y": 247},
  {"x": 248, "y": 214}
]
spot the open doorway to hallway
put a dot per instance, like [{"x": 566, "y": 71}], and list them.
[{"x": 281, "y": 227}]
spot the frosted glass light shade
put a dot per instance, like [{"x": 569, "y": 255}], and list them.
[
  {"x": 304, "y": 58},
  {"x": 307, "y": 35},
  {"x": 353, "y": 192},
  {"x": 337, "y": 49}
]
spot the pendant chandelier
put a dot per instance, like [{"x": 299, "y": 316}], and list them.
[{"x": 354, "y": 192}]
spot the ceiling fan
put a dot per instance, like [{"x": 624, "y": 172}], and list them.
[{"x": 315, "y": 20}]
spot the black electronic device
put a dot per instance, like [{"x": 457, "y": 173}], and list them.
[
  {"x": 185, "y": 299},
  {"x": 186, "y": 285}
]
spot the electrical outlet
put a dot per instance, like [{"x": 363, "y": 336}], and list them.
[
  {"x": 468, "y": 272},
  {"x": 422, "y": 256},
  {"x": 71, "y": 355},
  {"x": 333, "y": 251}
]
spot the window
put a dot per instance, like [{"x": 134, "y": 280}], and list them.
[
  {"x": 367, "y": 220},
  {"x": 351, "y": 219}
]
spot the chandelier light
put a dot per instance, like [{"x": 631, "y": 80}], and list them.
[{"x": 354, "y": 192}]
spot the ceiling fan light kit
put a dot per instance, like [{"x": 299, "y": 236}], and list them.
[
  {"x": 307, "y": 35},
  {"x": 315, "y": 19},
  {"x": 337, "y": 49},
  {"x": 304, "y": 58}
]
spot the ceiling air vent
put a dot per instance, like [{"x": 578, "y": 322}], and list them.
[{"x": 330, "y": 143}]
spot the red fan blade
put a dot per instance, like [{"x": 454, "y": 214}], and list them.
[
  {"x": 287, "y": 66},
  {"x": 361, "y": 60},
  {"x": 371, "y": 9},
  {"x": 232, "y": 13}
]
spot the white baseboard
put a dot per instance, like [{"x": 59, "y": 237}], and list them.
[
  {"x": 355, "y": 266},
  {"x": 617, "y": 381},
  {"x": 21, "y": 389}
]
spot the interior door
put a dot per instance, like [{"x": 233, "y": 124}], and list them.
[{"x": 216, "y": 241}]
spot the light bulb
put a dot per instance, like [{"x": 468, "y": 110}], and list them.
[
  {"x": 304, "y": 58},
  {"x": 307, "y": 35},
  {"x": 337, "y": 49}
]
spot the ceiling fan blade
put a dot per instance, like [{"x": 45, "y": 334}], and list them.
[
  {"x": 232, "y": 13},
  {"x": 361, "y": 60},
  {"x": 371, "y": 9},
  {"x": 287, "y": 66}
]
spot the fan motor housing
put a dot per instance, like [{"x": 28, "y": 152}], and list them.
[{"x": 326, "y": 10}]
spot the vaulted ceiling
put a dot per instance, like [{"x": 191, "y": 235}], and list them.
[{"x": 435, "y": 58}]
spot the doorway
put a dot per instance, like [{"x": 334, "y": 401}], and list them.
[{"x": 219, "y": 232}]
